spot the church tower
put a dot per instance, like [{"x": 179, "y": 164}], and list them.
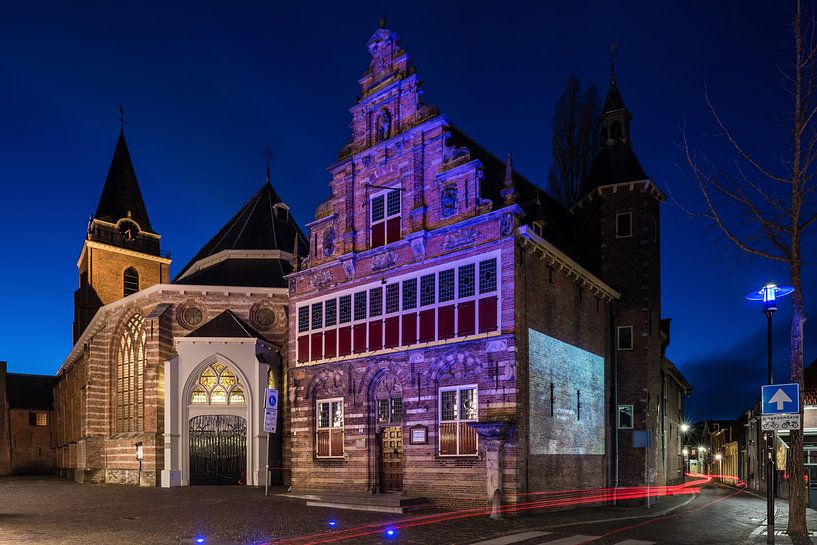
[
  {"x": 121, "y": 254},
  {"x": 620, "y": 217}
]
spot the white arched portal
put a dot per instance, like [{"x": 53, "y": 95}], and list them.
[{"x": 195, "y": 386}]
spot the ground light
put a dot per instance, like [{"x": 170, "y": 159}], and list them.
[
  {"x": 332, "y": 523},
  {"x": 391, "y": 533},
  {"x": 199, "y": 539}
]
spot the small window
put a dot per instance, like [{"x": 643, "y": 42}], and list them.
[
  {"x": 625, "y": 337},
  {"x": 487, "y": 275},
  {"x": 360, "y": 305},
  {"x": 38, "y": 418},
  {"x": 457, "y": 407},
  {"x": 389, "y": 410},
  {"x": 303, "y": 319},
  {"x": 392, "y": 298},
  {"x": 410, "y": 294},
  {"x": 427, "y": 290},
  {"x": 466, "y": 281},
  {"x": 317, "y": 315},
  {"x": 446, "y": 285},
  {"x": 625, "y": 417},
  {"x": 624, "y": 225},
  {"x": 375, "y": 301},
  {"x": 345, "y": 311},
  {"x": 329, "y": 432},
  {"x": 130, "y": 281},
  {"x": 331, "y": 312},
  {"x": 385, "y": 218}
]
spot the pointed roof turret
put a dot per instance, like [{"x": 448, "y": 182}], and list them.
[
  {"x": 254, "y": 248},
  {"x": 121, "y": 197},
  {"x": 509, "y": 192}
]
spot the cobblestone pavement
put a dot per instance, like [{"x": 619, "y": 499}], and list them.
[{"x": 60, "y": 512}]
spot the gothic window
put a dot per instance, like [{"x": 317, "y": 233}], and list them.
[
  {"x": 217, "y": 385},
  {"x": 130, "y": 281},
  {"x": 383, "y": 126},
  {"x": 130, "y": 376}
]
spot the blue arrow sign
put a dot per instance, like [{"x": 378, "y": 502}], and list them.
[{"x": 780, "y": 398}]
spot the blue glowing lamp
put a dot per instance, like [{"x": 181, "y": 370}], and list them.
[
  {"x": 391, "y": 533},
  {"x": 332, "y": 523},
  {"x": 199, "y": 539},
  {"x": 769, "y": 294}
]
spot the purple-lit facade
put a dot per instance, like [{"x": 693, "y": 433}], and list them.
[{"x": 436, "y": 300}]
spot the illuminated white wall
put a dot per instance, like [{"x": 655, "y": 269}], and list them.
[{"x": 570, "y": 370}]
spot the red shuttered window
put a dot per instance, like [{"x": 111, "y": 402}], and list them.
[
  {"x": 375, "y": 335},
  {"x": 329, "y": 429},
  {"x": 392, "y": 332},
  {"x": 359, "y": 335},
  {"x": 344, "y": 341},
  {"x": 316, "y": 342},
  {"x": 487, "y": 314},
  {"x": 457, "y": 407},
  {"x": 445, "y": 322},
  {"x": 384, "y": 214},
  {"x": 465, "y": 318},
  {"x": 427, "y": 325},
  {"x": 330, "y": 343},
  {"x": 409, "y": 328},
  {"x": 303, "y": 348}
]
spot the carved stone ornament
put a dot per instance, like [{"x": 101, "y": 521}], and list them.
[
  {"x": 418, "y": 247},
  {"x": 463, "y": 237},
  {"x": 448, "y": 200},
  {"x": 384, "y": 260},
  {"x": 329, "y": 242},
  {"x": 497, "y": 346},
  {"x": 506, "y": 225},
  {"x": 320, "y": 279},
  {"x": 292, "y": 286},
  {"x": 349, "y": 268}
]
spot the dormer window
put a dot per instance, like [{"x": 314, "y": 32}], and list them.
[
  {"x": 281, "y": 212},
  {"x": 385, "y": 217}
]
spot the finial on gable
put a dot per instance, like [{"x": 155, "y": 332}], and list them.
[
  {"x": 509, "y": 193},
  {"x": 382, "y": 22}
]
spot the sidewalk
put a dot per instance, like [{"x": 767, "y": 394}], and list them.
[{"x": 781, "y": 520}]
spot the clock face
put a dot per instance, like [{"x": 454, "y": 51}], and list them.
[{"x": 128, "y": 230}]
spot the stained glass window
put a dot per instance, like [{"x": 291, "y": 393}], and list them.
[
  {"x": 130, "y": 376},
  {"x": 217, "y": 384}
]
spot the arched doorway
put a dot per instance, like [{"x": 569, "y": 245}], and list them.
[
  {"x": 218, "y": 449},
  {"x": 388, "y": 413},
  {"x": 217, "y": 429}
]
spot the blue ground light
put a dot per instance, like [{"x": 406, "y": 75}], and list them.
[
  {"x": 332, "y": 523},
  {"x": 199, "y": 539},
  {"x": 391, "y": 533}
]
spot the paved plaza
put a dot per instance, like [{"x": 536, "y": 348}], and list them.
[{"x": 37, "y": 510}]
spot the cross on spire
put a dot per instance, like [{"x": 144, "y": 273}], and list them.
[
  {"x": 613, "y": 48},
  {"x": 266, "y": 151},
  {"x": 121, "y": 117}
]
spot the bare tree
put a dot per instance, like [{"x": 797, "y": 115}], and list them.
[
  {"x": 765, "y": 211},
  {"x": 574, "y": 140}
]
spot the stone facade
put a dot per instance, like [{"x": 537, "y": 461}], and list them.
[{"x": 417, "y": 207}]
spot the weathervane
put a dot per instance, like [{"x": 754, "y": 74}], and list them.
[
  {"x": 613, "y": 48},
  {"x": 266, "y": 151},
  {"x": 121, "y": 117}
]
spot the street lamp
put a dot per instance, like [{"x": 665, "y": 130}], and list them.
[{"x": 769, "y": 294}]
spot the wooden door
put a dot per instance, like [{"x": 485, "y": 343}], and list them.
[{"x": 392, "y": 458}]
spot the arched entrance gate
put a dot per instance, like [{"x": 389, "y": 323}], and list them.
[{"x": 218, "y": 449}]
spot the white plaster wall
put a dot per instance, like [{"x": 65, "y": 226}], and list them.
[{"x": 181, "y": 373}]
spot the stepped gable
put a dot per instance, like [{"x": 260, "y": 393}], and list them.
[
  {"x": 265, "y": 231},
  {"x": 121, "y": 197}
]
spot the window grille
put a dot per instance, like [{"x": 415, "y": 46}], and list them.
[
  {"x": 466, "y": 280},
  {"x": 427, "y": 290},
  {"x": 317, "y": 315},
  {"x": 392, "y": 298},
  {"x": 345, "y": 309},
  {"x": 331, "y": 312},
  {"x": 360, "y": 305},
  {"x": 410, "y": 294},
  {"x": 446, "y": 285},
  {"x": 303, "y": 319},
  {"x": 375, "y": 301},
  {"x": 487, "y": 276}
]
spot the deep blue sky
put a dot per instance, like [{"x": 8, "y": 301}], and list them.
[{"x": 205, "y": 85}]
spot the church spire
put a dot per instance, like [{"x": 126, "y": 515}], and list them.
[
  {"x": 509, "y": 192},
  {"x": 121, "y": 196},
  {"x": 614, "y": 123}
]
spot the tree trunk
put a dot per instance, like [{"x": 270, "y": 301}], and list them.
[{"x": 797, "y": 488}]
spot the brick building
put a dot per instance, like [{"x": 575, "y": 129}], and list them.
[
  {"x": 165, "y": 380},
  {"x": 26, "y": 423},
  {"x": 459, "y": 335}
]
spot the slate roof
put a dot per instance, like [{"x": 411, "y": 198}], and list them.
[
  {"x": 615, "y": 164},
  {"x": 613, "y": 100},
  {"x": 537, "y": 203},
  {"x": 226, "y": 324},
  {"x": 30, "y": 391},
  {"x": 256, "y": 226},
  {"x": 121, "y": 193}
]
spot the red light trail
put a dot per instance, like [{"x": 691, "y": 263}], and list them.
[{"x": 543, "y": 501}]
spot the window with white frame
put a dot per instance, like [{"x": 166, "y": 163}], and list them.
[
  {"x": 625, "y": 337},
  {"x": 457, "y": 407},
  {"x": 456, "y": 300},
  {"x": 329, "y": 434},
  {"x": 624, "y": 225},
  {"x": 625, "y": 417},
  {"x": 385, "y": 217},
  {"x": 389, "y": 410}
]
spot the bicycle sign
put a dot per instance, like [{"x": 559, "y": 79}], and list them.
[{"x": 779, "y": 422}]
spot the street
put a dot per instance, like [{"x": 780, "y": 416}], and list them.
[{"x": 55, "y": 511}]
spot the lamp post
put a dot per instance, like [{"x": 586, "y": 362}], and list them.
[
  {"x": 769, "y": 294},
  {"x": 685, "y": 451}
]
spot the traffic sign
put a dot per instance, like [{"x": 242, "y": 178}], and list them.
[
  {"x": 272, "y": 399},
  {"x": 270, "y": 420},
  {"x": 775, "y": 422},
  {"x": 780, "y": 398}
]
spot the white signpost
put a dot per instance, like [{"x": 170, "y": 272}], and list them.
[
  {"x": 271, "y": 411},
  {"x": 778, "y": 422}
]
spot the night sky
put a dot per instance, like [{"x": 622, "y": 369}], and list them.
[{"x": 205, "y": 86}]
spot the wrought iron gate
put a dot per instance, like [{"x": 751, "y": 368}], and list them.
[{"x": 218, "y": 450}]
